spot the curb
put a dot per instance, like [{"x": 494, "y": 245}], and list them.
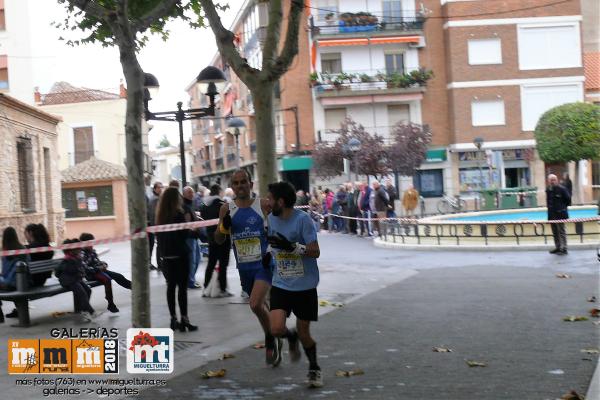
[{"x": 444, "y": 247}]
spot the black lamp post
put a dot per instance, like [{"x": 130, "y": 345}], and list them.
[
  {"x": 238, "y": 126},
  {"x": 211, "y": 80},
  {"x": 352, "y": 147}
]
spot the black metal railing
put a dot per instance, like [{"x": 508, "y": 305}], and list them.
[{"x": 369, "y": 25}]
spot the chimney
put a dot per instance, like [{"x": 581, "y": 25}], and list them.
[
  {"x": 37, "y": 96},
  {"x": 122, "y": 90}
]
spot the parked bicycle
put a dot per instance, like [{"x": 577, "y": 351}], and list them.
[{"x": 449, "y": 204}]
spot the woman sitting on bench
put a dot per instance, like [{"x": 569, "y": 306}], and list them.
[
  {"x": 8, "y": 278},
  {"x": 96, "y": 270}
]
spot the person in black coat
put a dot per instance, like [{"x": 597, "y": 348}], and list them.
[
  {"x": 558, "y": 200},
  {"x": 174, "y": 254}
]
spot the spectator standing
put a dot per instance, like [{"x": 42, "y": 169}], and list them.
[
  {"x": 152, "y": 203},
  {"x": 8, "y": 278},
  {"x": 568, "y": 184},
  {"x": 341, "y": 198},
  {"x": 381, "y": 203},
  {"x": 352, "y": 197},
  {"x": 410, "y": 199},
  {"x": 192, "y": 240},
  {"x": 216, "y": 252},
  {"x": 98, "y": 270},
  {"x": 70, "y": 273},
  {"x": 228, "y": 195},
  {"x": 364, "y": 204},
  {"x": 329, "y": 197},
  {"x": 174, "y": 254},
  {"x": 558, "y": 200},
  {"x": 315, "y": 205},
  {"x": 392, "y": 197}
]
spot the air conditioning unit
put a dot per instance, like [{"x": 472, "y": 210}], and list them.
[{"x": 420, "y": 44}]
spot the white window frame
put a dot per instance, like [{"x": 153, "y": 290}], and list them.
[
  {"x": 521, "y": 27},
  {"x": 471, "y": 55},
  {"x": 523, "y": 89},
  {"x": 500, "y": 121}
]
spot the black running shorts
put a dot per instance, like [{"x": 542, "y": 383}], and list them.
[{"x": 304, "y": 304}]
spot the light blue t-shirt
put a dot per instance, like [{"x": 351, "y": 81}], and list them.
[{"x": 293, "y": 272}]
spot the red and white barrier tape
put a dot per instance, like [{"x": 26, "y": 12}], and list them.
[{"x": 123, "y": 238}]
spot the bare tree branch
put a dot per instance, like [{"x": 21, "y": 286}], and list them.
[
  {"x": 272, "y": 39},
  {"x": 290, "y": 48},
  {"x": 226, "y": 47},
  {"x": 160, "y": 11},
  {"x": 91, "y": 8}
]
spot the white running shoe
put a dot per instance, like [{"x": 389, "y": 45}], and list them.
[{"x": 314, "y": 378}]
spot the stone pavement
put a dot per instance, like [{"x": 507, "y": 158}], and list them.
[{"x": 508, "y": 318}]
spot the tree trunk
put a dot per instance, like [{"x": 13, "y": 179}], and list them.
[
  {"x": 266, "y": 157},
  {"x": 140, "y": 281}
]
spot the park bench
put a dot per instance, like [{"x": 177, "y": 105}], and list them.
[{"x": 25, "y": 292}]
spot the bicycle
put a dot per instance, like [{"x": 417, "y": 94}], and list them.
[{"x": 450, "y": 204}]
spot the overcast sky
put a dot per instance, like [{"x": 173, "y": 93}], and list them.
[{"x": 175, "y": 63}]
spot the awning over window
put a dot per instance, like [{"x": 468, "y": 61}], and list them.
[{"x": 367, "y": 41}]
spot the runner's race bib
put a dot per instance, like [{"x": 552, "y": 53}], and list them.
[
  {"x": 289, "y": 265},
  {"x": 248, "y": 249}
]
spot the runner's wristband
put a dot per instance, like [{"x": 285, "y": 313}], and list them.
[
  {"x": 223, "y": 230},
  {"x": 299, "y": 249}
]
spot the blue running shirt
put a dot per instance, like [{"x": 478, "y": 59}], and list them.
[
  {"x": 248, "y": 235},
  {"x": 293, "y": 272}
]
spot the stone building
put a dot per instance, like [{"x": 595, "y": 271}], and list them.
[{"x": 29, "y": 175}]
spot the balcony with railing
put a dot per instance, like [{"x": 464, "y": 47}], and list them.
[
  {"x": 364, "y": 24},
  {"x": 367, "y": 83},
  {"x": 253, "y": 149},
  {"x": 219, "y": 163},
  {"x": 207, "y": 167}
]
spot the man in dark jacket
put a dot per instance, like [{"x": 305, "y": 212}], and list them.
[{"x": 557, "y": 201}]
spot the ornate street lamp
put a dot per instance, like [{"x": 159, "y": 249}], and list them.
[
  {"x": 211, "y": 81},
  {"x": 238, "y": 126}
]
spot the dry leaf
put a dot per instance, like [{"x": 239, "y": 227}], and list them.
[
  {"x": 471, "y": 363},
  {"x": 259, "y": 346},
  {"x": 575, "y": 318},
  {"x": 592, "y": 299},
  {"x": 442, "y": 350},
  {"x": 337, "y": 304},
  {"x": 225, "y": 356},
  {"x": 324, "y": 303},
  {"x": 352, "y": 372},
  {"x": 572, "y": 395},
  {"x": 564, "y": 276},
  {"x": 590, "y": 351},
  {"x": 57, "y": 314},
  {"x": 213, "y": 374},
  {"x": 595, "y": 312}
]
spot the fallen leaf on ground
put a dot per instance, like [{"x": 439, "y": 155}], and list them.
[
  {"x": 352, "y": 372},
  {"x": 590, "y": 351},
  {"x": 442, "y": 350},
  {"x": 471, "y": 363},
  {"x": 592, "y": 299},
  {"x": 225, "y": 356},
  {"x": 595, "y": 312},
  {"x": 259, "y": 346},
  {"x": 213, "y": 374},
  {"x": 563, "y": 276},
  {"x": 57, "y": 314},
  {"x": 324, "y": 303},
  {"x": 575, "y": 318},
  {"x": 572, "y": 395}
]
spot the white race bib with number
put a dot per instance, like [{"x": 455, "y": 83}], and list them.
[
  {"x": 248, "y": 249},
  {"x": 289, "y": 265}
]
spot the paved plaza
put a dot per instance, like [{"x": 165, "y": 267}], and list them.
[{"x": 503, "y": 309}]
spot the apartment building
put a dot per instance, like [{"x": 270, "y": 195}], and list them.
[
  {"x": 215, "y": 145},
  {"x": 496, "y": 68}
]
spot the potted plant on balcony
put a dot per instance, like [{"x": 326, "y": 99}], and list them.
[
  {"x": 313, "y": 79},
  {"x": 421, "y": 76},
  {"x": 329, "y": 18}
]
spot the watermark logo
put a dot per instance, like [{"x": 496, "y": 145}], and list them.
[
  {"x": 55, "y": 356},
  {"x": 23, "y": 356},
  {"x": 151, "y": 351}
]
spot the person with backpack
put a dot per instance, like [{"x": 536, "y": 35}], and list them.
[{"x": 216, "y": 252}]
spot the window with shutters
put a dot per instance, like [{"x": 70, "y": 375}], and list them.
[
  {"x": 3, "y": 72},
  {"x": 392, "y": 11},
  {"x": 331, "y": 63},
  {"x": 25, "y": 171},
  {"x": 334, "y": 117},
  {"x": 83, "y": 144},
  {"x": 394, "y": 63},
  {"x": 398, "y": 113},
  {"x": 325, "y": 8}
]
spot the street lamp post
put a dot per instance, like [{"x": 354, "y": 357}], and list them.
[
  {"x": 354, "y": 146},
  {"x": 211, "y": 81},
  {"x": 478, "y": 142},
  {"x": 238, "y": 126}
]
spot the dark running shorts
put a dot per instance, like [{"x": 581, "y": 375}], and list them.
[
  {"x": 247, "y": 278},
  {"x": 304, "y": 304}
]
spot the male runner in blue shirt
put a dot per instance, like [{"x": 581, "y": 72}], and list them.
[
  {"x": 293, "y": 239},
  {"x": 245, "y": 220}
]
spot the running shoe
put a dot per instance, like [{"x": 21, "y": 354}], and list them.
[
  {"x": 277, "y": 352},
  {"x": 295, "y": 353},
  {"x": 314, "y": 378},
  {"x": 273, "y": 351}
]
